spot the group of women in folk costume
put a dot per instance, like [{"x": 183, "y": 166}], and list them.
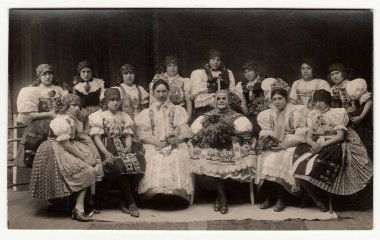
[{"x": 285, "y": 139}]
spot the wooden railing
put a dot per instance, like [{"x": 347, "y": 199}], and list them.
[{"x": 11, "y": 161}]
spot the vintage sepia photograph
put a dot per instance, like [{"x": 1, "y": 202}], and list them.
[{"x": 239, "y": 119}]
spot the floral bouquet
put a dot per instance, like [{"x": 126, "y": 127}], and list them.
[
  {"x": 235, "y": 102},
  {"x": 216, "y": 132},
  {"x": 258, "y": 105},
  {"x": 171, "y": 143},
  {"x": 267, "y": 143},
  {"x": 114, "y": 128}
]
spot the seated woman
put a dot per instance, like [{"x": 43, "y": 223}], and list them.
[
  {"x": 222, "y": 148},
  {"x": 36, "y": 105},
  {"x": 285, "y": 123},
  {"x": 68, "y": 162},
  {"x": 163, "y": 130},
  {"x": 333, "y": 158},
  {"x": 205, "y": 82},
  {"x": 353, "y": 95},
  {"x": 133, "y": 98},
  {"x": 179, "y": 93},
  {"x": 302, "y": 89},
  {"x": 112, "y": 132}
]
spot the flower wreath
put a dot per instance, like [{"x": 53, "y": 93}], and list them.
[{"x": 212, "y": 83}]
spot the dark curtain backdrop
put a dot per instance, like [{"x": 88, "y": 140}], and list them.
[{"x": 276, "y": 39}]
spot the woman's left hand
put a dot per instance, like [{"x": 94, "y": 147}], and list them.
[
  {"x": 316, "y": 148},
  {"x": 357, "y": 119}
]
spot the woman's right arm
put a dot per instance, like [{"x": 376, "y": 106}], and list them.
[{"x": 99, "y": 144}]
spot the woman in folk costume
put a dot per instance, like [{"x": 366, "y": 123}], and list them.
[
  {"x": 223, "y": 150},
  {"x": 68, "y": 162},
  {"x": 333, "y": 157},
  {"x": 179, "y": 93},
  {"x": 205, "y": 82},
  {"x": 163, "y": 130},
  {"x": 302, "y": 89},
  {"x": 134, "y": 98},
  {"x": 89, "y": 88},
  {"x": 36, "y": 106},
  {"x": 282, "y": 128},
  {"x": 353, "y": 95},
  {"x": 112, "y": 133}
]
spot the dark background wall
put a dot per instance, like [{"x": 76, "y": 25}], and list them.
[{"x": 276, "y": 39}]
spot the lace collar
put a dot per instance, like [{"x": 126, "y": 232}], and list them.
[{"x": 95, "y": 85}]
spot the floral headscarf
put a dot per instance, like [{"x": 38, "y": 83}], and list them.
[{"x": 69, "y": 99}]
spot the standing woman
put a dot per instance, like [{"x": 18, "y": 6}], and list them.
[
  {"x": 205, "y": 82},
  {"x": 249, "y": 90},
  {"x": 68, "y": 162},
  {"x": 89, "y": 88},
  {"x": 36, "y": 105},
  {"x": 134, "y": 98},
  {"x": 333, "y": 157},
  {"x": 112, "y": 132},
  {"x": 302, "y": 89},
  {"x": 163, "y": 130},
  {"x": 222, "y": 139},
  {"x": 179, "y": 93},
  {"x": 285, "y": 123}
]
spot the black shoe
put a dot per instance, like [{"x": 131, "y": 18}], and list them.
[
  {"x": 223, "y": 209},
  {"x": 79, "y": 216},
  {"x": 216, "y": 205},
  {"x": 266, "y": 204},
  {"x": 133, "y": 210},
  {"x": 322, "y": 206},
  {"x": 124, "y": 207},
  {"x": 280, "y": 205}
]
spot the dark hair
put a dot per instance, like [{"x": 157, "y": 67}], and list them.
[
  {"x": 83, "y": 64},
  {"x": 126, "y": 68},
  {"x": 159, "y": 82},
  {"x": 167, "y": 61},
  {"x": 322, "y": 95},
  {"x": 340, "y": 67},
  {"x": 312, "y": 64},
  {"x": 279, "y": 91}
]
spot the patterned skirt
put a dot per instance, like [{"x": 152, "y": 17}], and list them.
[
  {"x": 125, "y": 163},
  {"x": 58, "y": 173},
  {"x": 342, "y": 169},
  {"x": 36, "y": 132},
  {"x": 46, "y": 181},
  {"x": 239, "y": 163}
]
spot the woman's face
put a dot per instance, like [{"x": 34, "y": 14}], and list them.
[
  {"x": 250, "y": 74},
  {"x": 47, "y": 78},
  {"x": 306, "y": 71},
  {"x": 161, "y": 93},
  {"x": 172, "y": 69},
  {"x": 215, "y": 62},
  {"x": 320, "y": 105},
  {"x": 113, "y": 104},
  {"x": 221, "y": 101},
  {"x": 73, "y": 110},
  {"x": 337, "y": 77},
  {"x": 86, "y": 74},
  {"x": 128, "y": 78},
  {"x": 279, "y": 101}
]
